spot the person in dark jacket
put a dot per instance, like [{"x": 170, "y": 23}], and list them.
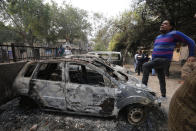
[{"x": 140, "y": 60}]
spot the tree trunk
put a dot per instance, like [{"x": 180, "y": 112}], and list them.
[{"x": 125, "y": 53}]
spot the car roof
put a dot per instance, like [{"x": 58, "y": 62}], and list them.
[
  {"x": 83, "y": 58},
  {"x": 105, "y": 52}
]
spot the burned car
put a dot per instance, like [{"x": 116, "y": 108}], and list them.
[
  {"x": 86, "y": 87},
  {"x": 96, "y": 58},
  {"x": 113, "y": 57}
]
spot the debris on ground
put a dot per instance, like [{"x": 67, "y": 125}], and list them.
[{"x": 14, "y": 117}]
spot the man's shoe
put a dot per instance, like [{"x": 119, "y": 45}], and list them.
[
  {"x": 162, "y": 99},
  {"x": 140, "y": 85}
]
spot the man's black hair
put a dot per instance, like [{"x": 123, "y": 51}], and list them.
[{"x": 172, "y": 23}]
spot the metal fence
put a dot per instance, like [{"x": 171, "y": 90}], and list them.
[{"x": 13, "y": 53}]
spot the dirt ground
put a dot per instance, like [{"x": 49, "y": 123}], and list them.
[{"x": 16, "y": 118}]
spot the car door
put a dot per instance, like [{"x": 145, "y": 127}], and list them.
[
  {"x": 47, "y": 85},
  {"x": 23, "y": 78},
  {"x": 89, "y": 90}
]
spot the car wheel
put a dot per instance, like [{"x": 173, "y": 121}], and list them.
[{"x": 136, "y": 115}]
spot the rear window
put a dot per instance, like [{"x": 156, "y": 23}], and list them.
[{"x": 30, "y": 70}]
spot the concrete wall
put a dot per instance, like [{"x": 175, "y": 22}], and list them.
[{"x": 8, "y": 72}]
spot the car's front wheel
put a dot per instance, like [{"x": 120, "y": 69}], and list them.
[{"x": 135, "y": 115}]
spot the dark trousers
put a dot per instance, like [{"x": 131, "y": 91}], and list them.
[
  {"x": 159, "y": 64},
  {"x": 139, "y": 67},
  {"x": 167, "y": 69}
]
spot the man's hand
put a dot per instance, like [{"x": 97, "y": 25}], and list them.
[{"x": 191, "y": 59}]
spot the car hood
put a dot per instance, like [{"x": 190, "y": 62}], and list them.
[
  {"x": 134, "y": 88},
  {"x": 137, "y": 84}
]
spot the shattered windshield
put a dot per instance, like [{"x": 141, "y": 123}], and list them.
[{"x": 115, "y": 74}]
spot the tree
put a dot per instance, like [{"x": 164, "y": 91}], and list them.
[
  {"x": 35, "y": 21},
  {"x": 103, "y": 37},
  {"x": 137, "y": 28},
  {"x": 181, "y": 12},
  {"x": 71, "y": 23},
  {"x": 30, "y": 18},
  {"x": 7, "y": 34}
]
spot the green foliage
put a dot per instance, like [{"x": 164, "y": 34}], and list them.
[
  {"x": 72, "y": 23},
  {"x": 30, "y": 18},
  {"x": 99, "y": 47},
  {"x": 128, "y": 28},
  {"x": 102, "y": 37},
  {"x": 180, "y": 11},
  {"x": 118, "y": 42},
  {"x": 137, "y": 28},
  {"x": 35, "y": 21},
  {"x": 8, "y": 34}
]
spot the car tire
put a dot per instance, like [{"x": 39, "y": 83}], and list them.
[
  {"x": 136, "y": 115},
  {"x": 154, "y": 119}
]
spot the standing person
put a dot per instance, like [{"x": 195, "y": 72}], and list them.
[
  {"x": 140, "y": 59},
  {"x": 135, "y": 61},
  {"x": 163, "y": 51},
  {"x": 146, "y": 58},
  {"x": 67, "y": 51},
  {"x": 61, "y": 51}
]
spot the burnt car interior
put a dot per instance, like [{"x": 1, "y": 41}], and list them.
[
  {"x": 118, "y": 75},
  {"x": 50, "y": 71},
  {"x": 84, "y": 75},
  {"x": 105, "y": 68},
  {"x": 30, "y": 70}
]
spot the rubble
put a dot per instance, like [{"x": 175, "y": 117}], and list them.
[{"x": 14, "y": 117}]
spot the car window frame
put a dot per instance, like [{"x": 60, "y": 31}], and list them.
[
  {"x": 34, "y": 76},
  {"x": 27, "y": 68},
  {"x": 92, "y": 67}
]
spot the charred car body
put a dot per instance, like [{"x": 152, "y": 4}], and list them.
[
  {"x": 96, "y": 57},
  {"x": 84, "y": 86},
  {"x": 111, "y": 56}
]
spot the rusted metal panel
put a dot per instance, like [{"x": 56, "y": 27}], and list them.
[
  {"x": 48, "y": 93},
  {"x": 90, "y": 99}
]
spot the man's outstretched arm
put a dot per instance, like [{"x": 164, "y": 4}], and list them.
[{"x": 181, "y": 37}]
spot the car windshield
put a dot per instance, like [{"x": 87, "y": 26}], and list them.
[
  {"x": 115, "y": 56},
  {"x": 116, "y": 74}
]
